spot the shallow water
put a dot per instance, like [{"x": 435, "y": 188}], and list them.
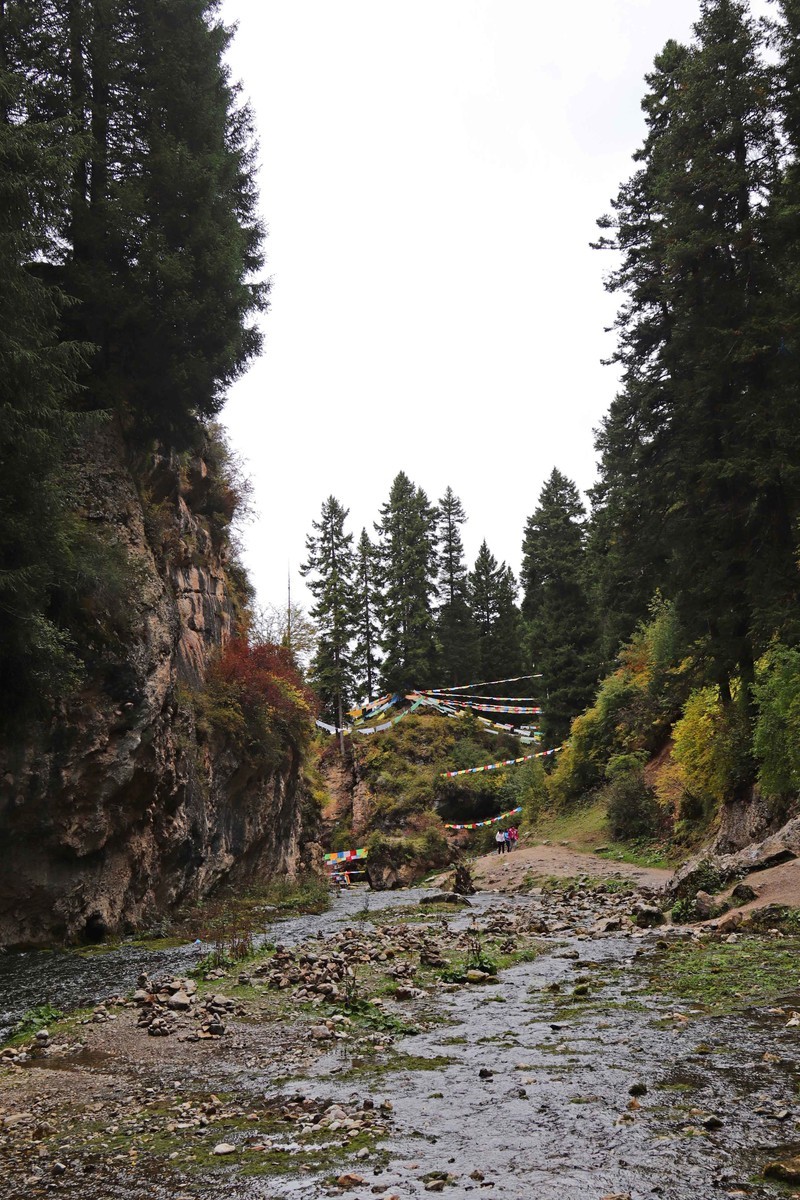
[
  {"x": 553, "y": 1121},
  {"x": 68, "y": 979}
]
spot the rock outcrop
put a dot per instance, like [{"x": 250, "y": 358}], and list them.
[
  {"x": 117, "y": 808},
  {"x": 780, "y": 847}
]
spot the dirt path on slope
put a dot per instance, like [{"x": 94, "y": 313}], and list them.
[{"x": 512, "y": 872}]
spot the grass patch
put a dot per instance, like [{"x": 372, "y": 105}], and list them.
[
  {"x": 586, "y": 830},
  {"x": 724, "y": 978},
  {"x": 399, "y": 1062}
]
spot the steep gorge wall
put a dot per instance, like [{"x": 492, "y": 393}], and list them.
[{"x": 118, "y": 809}]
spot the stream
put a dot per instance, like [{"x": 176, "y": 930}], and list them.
[{"x": 623, "y": 1098}]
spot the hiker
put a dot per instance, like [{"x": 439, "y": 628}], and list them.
[
  {"x": 500, "y": 838},
  {"x": 513, "y": 834},
  {"x": 507, "y": 839}
]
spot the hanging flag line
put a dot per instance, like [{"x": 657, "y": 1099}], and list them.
[
  {"x": 496, "y": 699},
  {"x": 388, "y": 724},
  {"x": 419, "y": 699},
  {"x": 356, "y": 712},
  {"x": 509, "y": 708},
  {"x": 488, "y": 683},
  {"x": 345, "y": 855},
  {"x": 376, "y": 711},
  {"x": 492, "y": 820},
  {"x": 371, "y": 710},
  {"x": 508, "y": 762}
]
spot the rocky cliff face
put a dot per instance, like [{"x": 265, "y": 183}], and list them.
[{"x": 117, "y": 810}]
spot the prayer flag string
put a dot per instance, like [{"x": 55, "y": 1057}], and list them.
[
  {"x": 508, "y": 762},
  {"x": 509, "y": 708},
  {"x": 464, "y": 687},
  {"x": 492, "y": 820},
  {"x": 345, "y": 855}
]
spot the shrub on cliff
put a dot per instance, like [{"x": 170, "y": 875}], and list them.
[
  {"x": 255, "y": 697},
  {"x": 635, "y": 707}
]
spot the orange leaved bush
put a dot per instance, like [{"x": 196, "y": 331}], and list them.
[{"x": 255, "y": 695}]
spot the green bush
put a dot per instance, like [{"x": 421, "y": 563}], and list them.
[
  {"x": 712, "y": 750},
  {"x": 776, "y": 740},
  {"x": 633, "y": 711},
  {"x": 633, "y": 810}
]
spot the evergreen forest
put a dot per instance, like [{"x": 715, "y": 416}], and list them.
[
  {"x": 130, "y": 258},
  {"x": 661, "y": 611},
  {"x": 663, "y": 614}
]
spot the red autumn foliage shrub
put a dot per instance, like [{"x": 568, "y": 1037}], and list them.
[{"x": 255, "y": 694}]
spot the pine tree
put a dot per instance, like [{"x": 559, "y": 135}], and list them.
[
  {"x": 366, "y": 659},
  {"x": 492, "y": 592},
  {"x": 330, "y": 570},
  {"x": 561, "y": 630},
  {"x": 38, "y": 372},
  {"x": 459, "y": 655},
  {"x": 699, "y": 340},
  {"x": 162, "y": 229},
  {"x": 408, "y": 569}
]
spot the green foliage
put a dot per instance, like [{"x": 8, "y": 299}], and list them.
[
  {"x": 632, "y": 808},
  {"x": 329, "y": 567},
  {"x": 561, "y": 627},
  {"x": 407, "y": 557},
  {"x": 634, "y": 709},
  {"x": 459, "y": 656},
  {"x": 711, "y": 748},
  {"x": 699, "y": 488},
  {"x": 36, "y": 1019},
  {"x": 366, "y": 604},
  {"x": 683, "y": 911},
  {"x": 492, "y": 597},
  {"x": 776, "y": 740}
]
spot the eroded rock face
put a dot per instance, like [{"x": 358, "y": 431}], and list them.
[
  {"x": 116, "y": 810},
  {"x": 781, "y": 846}
]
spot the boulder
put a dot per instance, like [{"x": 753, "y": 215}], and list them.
[
  {"x": 779, "y": 847},
  {"x": 787, "y": 1170},
  {"x": 704, "y": 905},
  {"x": 646, "y": 916}
]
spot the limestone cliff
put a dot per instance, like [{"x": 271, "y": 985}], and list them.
[{"x": 119, "y": 807}]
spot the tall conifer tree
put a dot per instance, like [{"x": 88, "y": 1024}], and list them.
[
  {"x": 492, "y": 592},
  {"x": 164, "y": 241},
  {"x": 687, "y": 460},
  {"x": 329, "y": 568},
  {"x": 457, "y": 636},
  {"x": 407, "y": 550},
  {"x": 561, "y": 631},
  {"x": 366, "y": 656},
  {"x": 38, "y": 371}
]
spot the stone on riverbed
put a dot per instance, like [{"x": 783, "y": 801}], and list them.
[
  {"x": 646, "y": 916},
  {"x": 786, "y": 1170},
  {"x": 447, "y": 898}
]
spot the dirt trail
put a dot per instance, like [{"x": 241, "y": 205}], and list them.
[{"x": 508, "y": 872}]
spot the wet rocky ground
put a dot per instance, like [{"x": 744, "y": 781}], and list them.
[{"x": 538, "y": 1046}]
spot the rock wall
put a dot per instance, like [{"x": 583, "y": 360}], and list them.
[{"x": 116, "y": 810}]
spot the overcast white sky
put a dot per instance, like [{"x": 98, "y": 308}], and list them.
[{"x": 431, "y": 172}]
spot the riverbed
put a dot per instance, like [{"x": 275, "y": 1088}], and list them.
[{"x": 573, "y": 1075}]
